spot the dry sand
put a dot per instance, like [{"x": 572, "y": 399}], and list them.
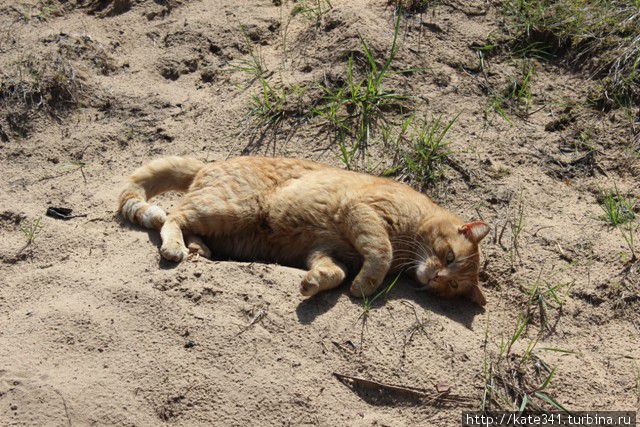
[{"x": 95, "y": 329}]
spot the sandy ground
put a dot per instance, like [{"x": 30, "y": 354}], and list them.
[{"x": 96, "y": 330}]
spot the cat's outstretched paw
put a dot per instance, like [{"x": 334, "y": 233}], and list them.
[
  {"x": 309, "y": 287},
  {"x": 363, "y": 288},
  {"x": 174, "y": 252}
]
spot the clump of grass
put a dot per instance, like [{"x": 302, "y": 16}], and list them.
[
  {"x": 49, "y": 85},
  {"x": 602, "y": 36},
  {"x": 629, "y": 232},
  {"x": 348, "y": 151},
  {"x": 31, "y": 230},
  {"x": 421, "y": 150},
  {"x": 312, "y": 10},
  {"x": 543, "y": 299},
  {"x": 413, "y": 6},
  {"x": 356, "y": 108},
  {"x": 619, "y": 212},
  {"x": 617, "y": 208},
  {"x": 274, "y": 103},
  {"x": 267, "y": 106},
  {"x": 518, "y": 381},
  {"x": 515, "y": 97},
  {"x": 254, "y": 65},
  {"x": 515, "y": 223},
  {"x": 42, "y": 11}
]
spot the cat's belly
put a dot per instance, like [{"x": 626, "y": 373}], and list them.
[{"x": 291, "y": 248}]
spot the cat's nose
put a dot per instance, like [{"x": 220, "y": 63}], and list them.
[{"x": 437, "y": 276}]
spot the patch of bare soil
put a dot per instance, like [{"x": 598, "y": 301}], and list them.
[{"x": 96, "y": 328}]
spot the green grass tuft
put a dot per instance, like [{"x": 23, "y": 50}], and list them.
[
  {"x": 545, "y": 299},
  {"x": 356, "y": 108},
  {"x": 515, "y": 97},
  {"x": 601, "y": 36},
  {"x": 31, "y": 230},
  {"x": 617, "y": 208},
  {"x": 313, "y": 10},
  {"x": 518, "y": 381},
  {"x": 421, "y": 150},
  {"x": 254, "y": 65},
  {"x": 413, "y": 6}
]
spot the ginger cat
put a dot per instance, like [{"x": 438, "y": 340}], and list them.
[{"x": 306, "y": 214}]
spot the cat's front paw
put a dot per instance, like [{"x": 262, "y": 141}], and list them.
[
  {"x": 309, "y": 286},
  {"x": 361, "y": 288},
  {"x": 174, "y": 252}
]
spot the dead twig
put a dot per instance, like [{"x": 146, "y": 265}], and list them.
[
  {"x": 501, "y": 234},
  {"x": 417, "y": 326},
  {"x": 64, "y": 403},
  {"x": 349, "y": 348}
]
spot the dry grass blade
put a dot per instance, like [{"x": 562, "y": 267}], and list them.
[
  {"x": 257, "y": 317},
  {"x": 401, "y": 392}
]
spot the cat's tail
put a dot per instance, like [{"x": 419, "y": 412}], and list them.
[{"x": 152, "y": 179}]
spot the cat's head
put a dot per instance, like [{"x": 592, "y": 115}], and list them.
[{"x": 451, "y": 262}]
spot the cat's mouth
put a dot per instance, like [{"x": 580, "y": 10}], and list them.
[
  {"x": 436, "y": 288},
  {"x": 421, "y": 287},
  {"x": 425, "y": 280},
  {"x": 432, "y": 284},
  {"x": 424, "y": 284}
]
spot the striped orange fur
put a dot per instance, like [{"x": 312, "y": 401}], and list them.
[{"x": 301, "y": 213}]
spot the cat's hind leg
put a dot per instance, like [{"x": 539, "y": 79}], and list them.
[
  {"x": 324, "y": 273},
  {"x": 206, "y": 211},
  {"x": 196, "y": 245},
  {"x": 176, "y": 246}
]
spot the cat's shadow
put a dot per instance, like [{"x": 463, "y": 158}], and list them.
[
  {"x": 459, "y": 310},
  {"x": 154, "y": 239}
]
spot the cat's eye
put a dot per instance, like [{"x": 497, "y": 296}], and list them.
[
  {"x": 453, "y": 284},
  {"x": 450, "y": 257}
]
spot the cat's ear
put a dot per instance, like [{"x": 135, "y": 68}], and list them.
[
  {"x": 475, "y": 294},
  {"x": 474, "y": 231}
]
